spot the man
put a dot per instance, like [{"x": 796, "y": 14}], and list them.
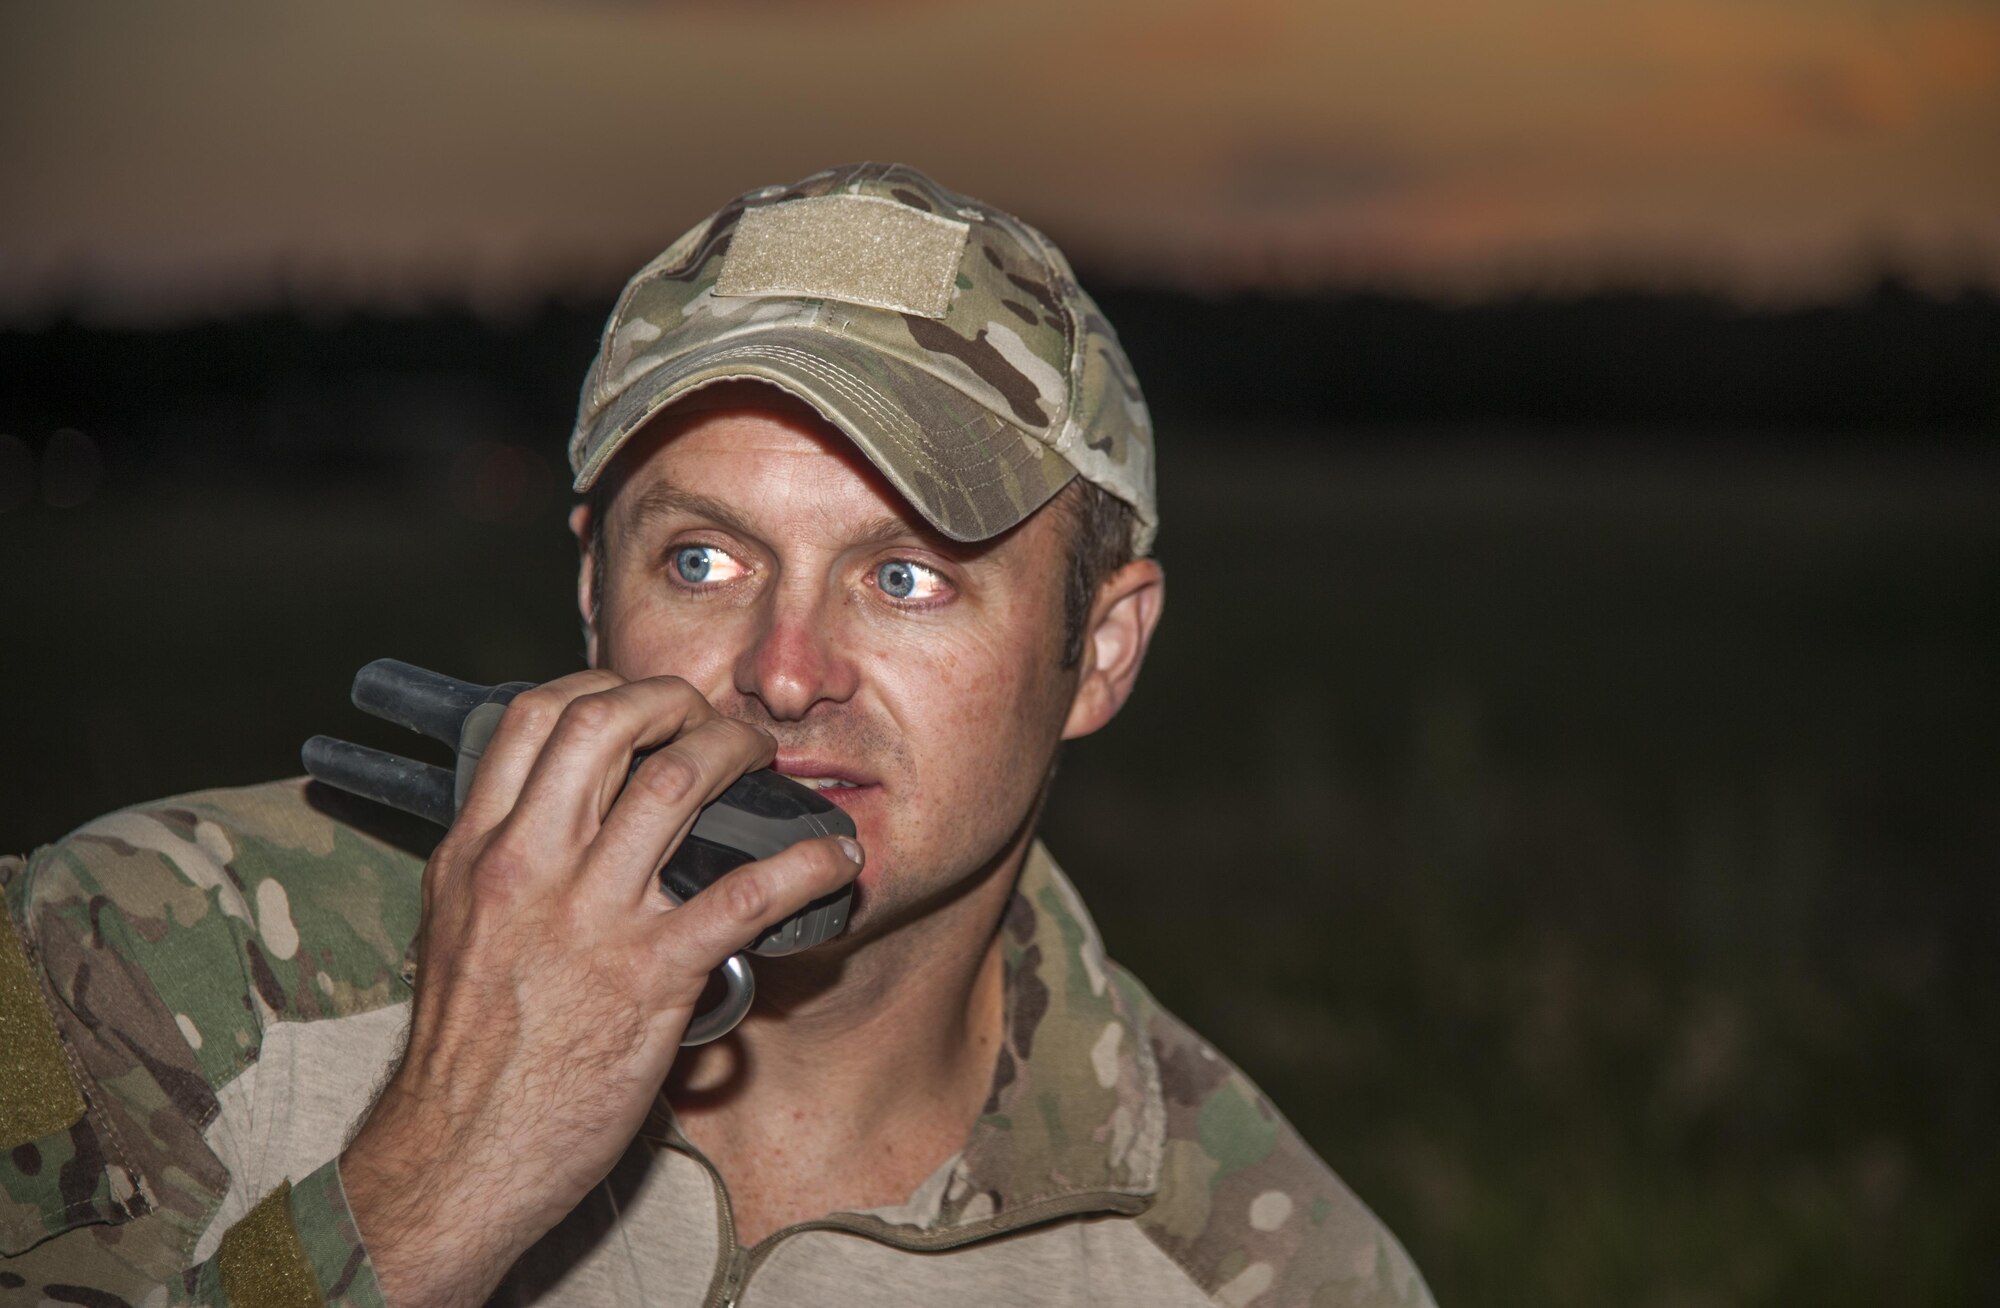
[{"x": 869, "y": 498}]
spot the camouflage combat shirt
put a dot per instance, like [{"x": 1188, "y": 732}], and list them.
[{"x": 198, "y": 998}]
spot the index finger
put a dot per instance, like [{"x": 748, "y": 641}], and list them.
[
  {"x": 583, "y": 763},
  {"x": 517, "y": 742}
]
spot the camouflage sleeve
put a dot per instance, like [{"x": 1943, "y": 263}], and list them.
[
  {"x": 106, "y": 1088},
  {"x": 1245, "y": 1207}
]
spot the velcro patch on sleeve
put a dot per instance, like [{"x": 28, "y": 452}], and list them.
[
  {"x": 38, "y": 1092},
  {"x": 859, "y": 249},
  {"x": 262, "y": 1260}
]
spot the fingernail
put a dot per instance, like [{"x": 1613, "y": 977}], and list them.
[{"x": 851, "y": 849}]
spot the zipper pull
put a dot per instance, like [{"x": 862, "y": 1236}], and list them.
[{"x": 732, "y": 1284}]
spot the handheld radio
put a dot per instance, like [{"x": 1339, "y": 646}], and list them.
[{"x": 759, "y": 815}]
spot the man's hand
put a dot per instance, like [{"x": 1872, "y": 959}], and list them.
[{"x": 556, "y": 977}]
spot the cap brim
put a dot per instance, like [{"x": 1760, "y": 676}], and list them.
[{"x": 968, "y": 471}]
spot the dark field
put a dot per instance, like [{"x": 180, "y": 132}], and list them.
[{"x": 1594, "y": 851}]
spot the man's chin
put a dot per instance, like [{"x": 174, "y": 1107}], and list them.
[{"x": 894, "y": 895}]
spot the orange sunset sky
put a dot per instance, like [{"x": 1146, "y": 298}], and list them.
[{"x": 163, "y": 160}]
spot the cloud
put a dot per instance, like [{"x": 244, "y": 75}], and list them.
[{"x": 223, "y": 150}]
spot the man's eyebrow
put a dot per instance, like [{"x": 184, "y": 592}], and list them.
[
  {"x": 890, "y": 529},
  {"x": 664, "y": 499}
]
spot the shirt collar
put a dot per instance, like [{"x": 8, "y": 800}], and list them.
[
  {"x": 1075, "y": 1121},
  {"x": 1076, "y": 1107}
]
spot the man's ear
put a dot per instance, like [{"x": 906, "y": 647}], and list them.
[
  {"x": 586, "y": 579},
  {"x": 1122, "y": 619}
]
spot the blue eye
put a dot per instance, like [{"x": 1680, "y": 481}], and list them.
[
  {"x": 692, "y": 563},
  {"x": 900, "y": 579},
  {"x": 707, "y": 566},
  {"x": 897, "y": 579}
]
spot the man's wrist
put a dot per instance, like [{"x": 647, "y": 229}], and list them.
[{"x": 428, "y": 1240}]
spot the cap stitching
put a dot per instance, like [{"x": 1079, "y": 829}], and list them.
[
  {"x": 898, "y": 427},
  {"x": 863, "y": 392},
  {"x": 861, "y": 389},
  {"x": 826, "y": 371},
  {"x": 912, "y": 437}
]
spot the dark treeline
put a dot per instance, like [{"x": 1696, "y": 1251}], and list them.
[
  {"x": 284, "y": 388},
  {"x": 1892, "y": 361}
]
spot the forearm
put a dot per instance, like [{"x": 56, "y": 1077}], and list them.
[{"x": 438, "y": 1232}]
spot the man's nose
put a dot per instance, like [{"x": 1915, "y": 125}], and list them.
[{"x": 795, "y": 658}]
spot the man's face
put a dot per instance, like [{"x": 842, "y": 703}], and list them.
[{"x": 754, "y": 552}]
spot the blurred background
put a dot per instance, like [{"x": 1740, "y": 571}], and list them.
[{"x": 1580, "y": 467}]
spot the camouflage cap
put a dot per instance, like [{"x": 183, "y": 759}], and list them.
[{"x": 949, "y": 340}]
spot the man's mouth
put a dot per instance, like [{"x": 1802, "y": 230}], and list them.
[
  {"x": 841, "y": 784},
  {"x": 828, "y": 776}
]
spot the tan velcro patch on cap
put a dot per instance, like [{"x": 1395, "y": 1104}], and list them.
[
  {"x": 38, "y": 1096},
  {"x": 855, "y": 248}
]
